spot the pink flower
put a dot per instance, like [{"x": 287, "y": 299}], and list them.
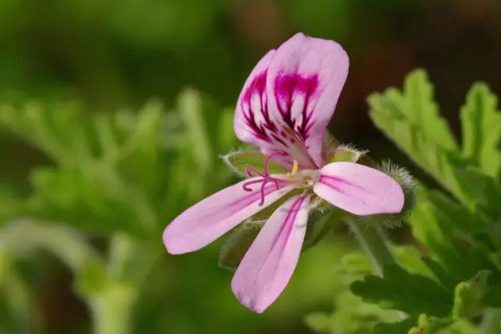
[{"x": 283, "y": 109}]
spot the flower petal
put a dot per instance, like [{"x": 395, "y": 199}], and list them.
[
  {"x": 359, "y": 189},
  {"x": 305, "y": 79},
  {"x": 269, "y": 263},
  {"x": 253, "y": 123},
  {"x": 289, "y": 99},
  {"x": 210, "y": 218}
]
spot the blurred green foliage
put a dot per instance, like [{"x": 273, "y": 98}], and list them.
[
  {"x": 116, "y": 177},
  {"x": 92, "y": 183}
]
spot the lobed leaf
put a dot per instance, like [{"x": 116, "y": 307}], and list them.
[
  {"x": 447, "y": 230},
  {"x": 410, "y": 119},
  {"x": 481, "y": 128},
  {"x": 399, "y": 290}
]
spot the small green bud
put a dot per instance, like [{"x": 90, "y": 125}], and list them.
[{"x": 468, "y": 295}]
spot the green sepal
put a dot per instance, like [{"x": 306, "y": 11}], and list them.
[
  {"x": 239, "y": 160},
  {"x": 346, "y": 153}
]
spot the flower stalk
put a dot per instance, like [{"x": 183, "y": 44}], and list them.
[
  {"x": 373, "y": 242},
  {"x": 111, "y": 309}
]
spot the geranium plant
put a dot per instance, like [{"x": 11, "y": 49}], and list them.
[{"x": 284, "y": 109}]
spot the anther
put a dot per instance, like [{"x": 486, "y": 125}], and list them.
[{"x": 295, "y": 168}]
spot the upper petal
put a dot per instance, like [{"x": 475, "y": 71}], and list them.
[
  {"x": 210, "y": 218},
  {"x": 289, "y": 99},
  {"x": 359, "y": 189},
  {"x": 253, "y": 123},
  {"x": 269, "y": 263},
  {"x": 305, "y": 79}
]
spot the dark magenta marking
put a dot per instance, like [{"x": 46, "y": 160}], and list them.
[
  {"x": 288, "y": 223},
  {"x": 331, "y": 181},
  {"x": 258, "y": 87},
  {"x": 287, "y": 86}
]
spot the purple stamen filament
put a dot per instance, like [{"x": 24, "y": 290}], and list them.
[{"x": 264, "y": 180}]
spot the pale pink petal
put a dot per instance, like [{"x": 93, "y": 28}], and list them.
[
  {"x": 210, "y": 218},
  {"x": 359, "y": 189},
  {"x": 304, "y": 81},
  {"x": 269, "y": 263}
]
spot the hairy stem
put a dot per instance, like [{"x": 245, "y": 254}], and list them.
[
  {"x": 492, "y": 322},
  {"x": 373, "y": 242},
  {"x": 111, "y": 310}
]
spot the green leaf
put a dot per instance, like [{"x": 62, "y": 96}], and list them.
[
  {"x": 351, "y": 316},
  {"x": 410, "y": 119},
  {"x": 59, "y": 130},
  {"x": 411, "y": 293},
  {"x": 415, "y": 107},
  {"x": 121, "y": 170},
  {"x": 190, "y": 107},
  {"x": 92, "y": 199},
  {"x": 196, "y": 170},
  {"x": 447, "y": 230},
  {"x": 443, "y": 276},
  {"x": 481, "y": 127}
]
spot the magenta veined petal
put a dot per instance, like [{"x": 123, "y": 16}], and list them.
[
  {"x": 359, "y": 189},
  {"x": 252, "y": 122},
  {"x": 289, "y": 98},
  {"x": 305, "y": 79},
  {"x": 269, "y": 263},
  {"x": 210, "y": 218}
]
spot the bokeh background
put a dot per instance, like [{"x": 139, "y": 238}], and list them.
[{"x": 110, "y": 55}]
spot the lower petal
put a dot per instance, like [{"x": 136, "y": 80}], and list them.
[
  {"x": 359, "y": 189},
  {"x": 210, "y": 218},
  {"x": 269, "y": 263}
]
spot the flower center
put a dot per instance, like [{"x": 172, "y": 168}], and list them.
[{"x": 303, "y": 179}]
